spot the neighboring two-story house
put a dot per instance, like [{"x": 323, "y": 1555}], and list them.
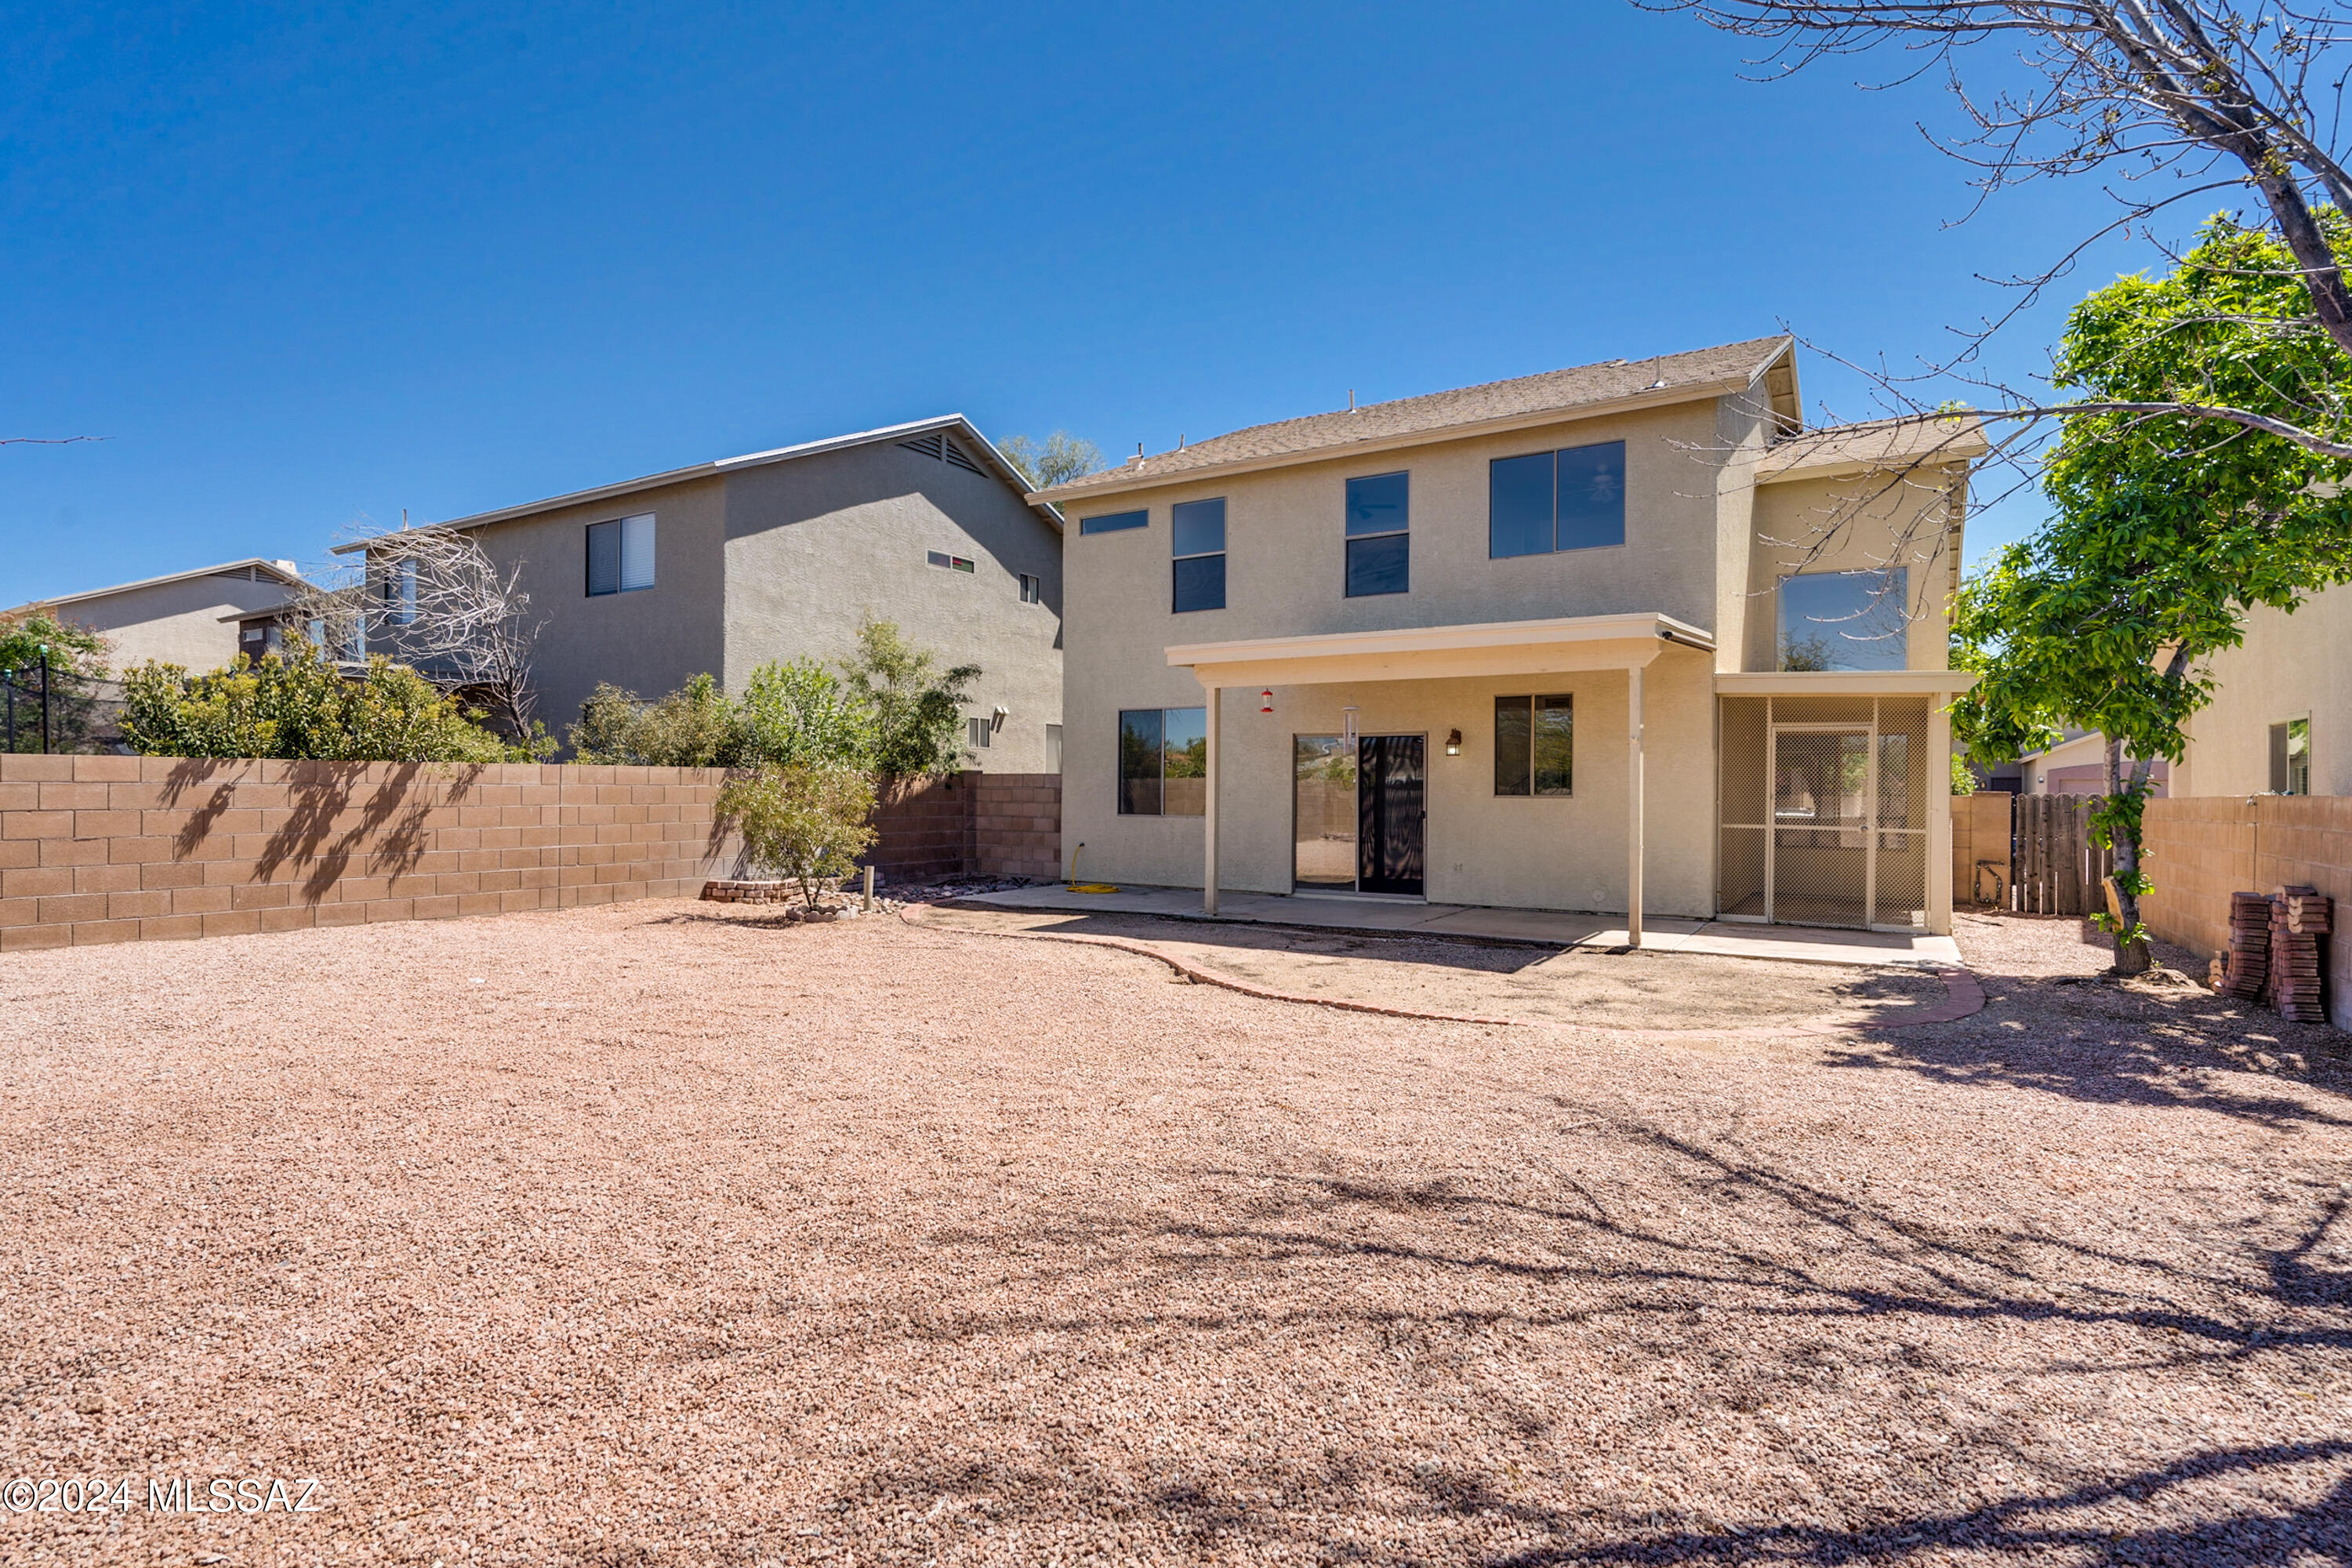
[
  {"x": 188, "y": 619},
  {"x": 1620, "y": 637},
  {"x": 725, "y": 565},
  {"x": 2281, "y": 718}
]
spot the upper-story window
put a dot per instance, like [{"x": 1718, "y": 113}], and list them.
[
  {"x": 621, "y": 555},
  {"x": 1845, "y": 620},
  {"x": 1379, "y": 519},
  {"x": 1033, "y": 589},
  {"x": 1573, "y": 499},
  {"x": 1114, "y": 522},
  {"x": 2291, "y": 757},
  {"x": 1198, "y": 529}
]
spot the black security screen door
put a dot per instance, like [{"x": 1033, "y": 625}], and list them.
[{"x": 1391, "y": 807}]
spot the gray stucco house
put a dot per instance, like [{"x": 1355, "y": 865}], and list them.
[{"x": 725, "y": 565}]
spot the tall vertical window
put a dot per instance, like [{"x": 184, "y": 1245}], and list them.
[
  {"x": 1845, "y": 620},
  {"x": 1535, "y": 745},
  {"x": 2291, "y": 757},
  {"x": 1198, "y": 532},
  {"x": 1572, "y": 498},
  {"x": 1380, "y": 517},
  {"x": 621, "y": 555},
  {"x": 1163, "y": 762},
  {"x": 399, "y": 592},
  {"x": 1033, "y": 589}
]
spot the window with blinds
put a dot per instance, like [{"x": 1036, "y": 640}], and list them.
[{"x": 621, "y": 555}]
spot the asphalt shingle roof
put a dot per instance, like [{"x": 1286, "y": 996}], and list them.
[{"x": 1375, "y": 423}]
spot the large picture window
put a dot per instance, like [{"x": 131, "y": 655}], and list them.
[
  {"x": 1198, "y": 532},
  {"x": 1163, "y": 762},
  {"x": 1572, "y": 498},
  {"x": 1379, "y": 516},
  {"x": 1843, "y": 620},
  {"x": 621, "y": 555},
  {"x": 1535, "y": 745}
]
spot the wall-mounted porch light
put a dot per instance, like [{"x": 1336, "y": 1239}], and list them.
[{"x": 1453, "y": 743}]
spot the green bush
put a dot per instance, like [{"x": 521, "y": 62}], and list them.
[
  {"x": 697, "y": 726},
  {"x": 299, "y": 705},
  {"x": 918, "y": 708},
  {"x": 804, "y": 821}
]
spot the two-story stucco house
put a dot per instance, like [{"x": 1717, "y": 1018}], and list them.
[
  {"x": 725, "y": 565},
  {"x": 186, "y": 618},
  {"x": 1621, "y": 637}
]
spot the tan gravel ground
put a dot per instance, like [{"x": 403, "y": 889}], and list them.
[
  {"x": 654, "y": 1234},
  {"x": 1647, "y": 989}
]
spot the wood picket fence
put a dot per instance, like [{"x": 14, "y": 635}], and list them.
[{"x": 2055, "y": 868}]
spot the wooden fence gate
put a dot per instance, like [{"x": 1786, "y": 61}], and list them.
[{"x": 2057, "y": 870}]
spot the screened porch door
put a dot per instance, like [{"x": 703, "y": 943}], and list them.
[{"x": 1843, "y": 840}]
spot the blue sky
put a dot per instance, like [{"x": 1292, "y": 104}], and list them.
[{"x": 308, "y": 266}]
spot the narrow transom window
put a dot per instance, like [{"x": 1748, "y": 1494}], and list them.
[
  {"x": 1380, "y": 514},
  {"x": 1163, "y": 762},
  {"x": 1116, "y": 522},
  {"x": 1197, "y": 529},
  {"x": 1535, "y": 745},
  {"x": 1572, "y": 498},
  {"x": 621, "y": 555}
]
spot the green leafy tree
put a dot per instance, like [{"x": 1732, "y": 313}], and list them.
[
  {"x": 804, "y": 821},
  {"x": 696, "y": 726},
  {"x": 299, "y": 705},
  {"x": 799, "y": 713},
  {"x": 2166, "y": 529},
  {"x": 76, "y": 659},
  {"x": 1057, "y": 459},
  {"x": 916, "y": 708}
]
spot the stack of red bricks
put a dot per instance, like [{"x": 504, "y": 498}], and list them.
[
  {"x": 2245, "y": 969},
  {"x": 2273, "y": 953},
  {"x": 2299, "y": 918}
]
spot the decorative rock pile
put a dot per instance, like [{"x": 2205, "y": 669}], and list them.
[{"x": 2273, "y": 953}]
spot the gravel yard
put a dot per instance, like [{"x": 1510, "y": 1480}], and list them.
[{"x": 664, "y": 1233}]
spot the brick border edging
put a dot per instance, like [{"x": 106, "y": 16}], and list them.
[{"x": 1963, "y": 993}]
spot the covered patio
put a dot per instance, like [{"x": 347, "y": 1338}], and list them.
[{"x": 1568, "y": 646}]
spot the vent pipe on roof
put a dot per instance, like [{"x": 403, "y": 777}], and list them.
[{"x": 1351, "y": 400}]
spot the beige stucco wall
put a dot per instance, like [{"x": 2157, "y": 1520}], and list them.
[
  {"x": 178, "y": 623},
  {"x": 2290, "y": 667},
  {"x": 1860, "y": 518},
  {"x": 813, "y": 543},
  {"x": 1286, "y": 559},
  {"x": 649, "y": 641}
]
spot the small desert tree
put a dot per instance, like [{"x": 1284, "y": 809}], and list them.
[
  {"x": 434, "y": 599},
  {"x": 799, "y": 713},
  {"x": 1057, "y": 459},
  {"x": 696, "y": 726},
  {"x": 918, "y": 708},
  {"x": 804, "y": 821}
]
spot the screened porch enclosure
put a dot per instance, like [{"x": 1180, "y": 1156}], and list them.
[{"x": 1824, "y": 811}]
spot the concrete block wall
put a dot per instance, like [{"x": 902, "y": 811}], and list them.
[
  {"x": 2202, "y": 849},
  {"x": 141, "y": 849},
  {"x": 1017, "y": 824},
  {"x": 974, "y": 823}
]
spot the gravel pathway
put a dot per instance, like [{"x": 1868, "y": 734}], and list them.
[{"x": 665, "y": 1234}]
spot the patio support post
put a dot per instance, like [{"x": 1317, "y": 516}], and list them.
[
  {"x": 1939, "y": 813},
  {"x": 1209, "y": 815},
  {"x": 1633, "y": 808}
]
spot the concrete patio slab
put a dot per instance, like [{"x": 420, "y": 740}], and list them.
[{"x": 1547, "y": 928}]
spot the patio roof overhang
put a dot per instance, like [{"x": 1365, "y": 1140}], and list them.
[
  {"x": 1843, "y": 683},
  {"x": 1561, "y": 646}
]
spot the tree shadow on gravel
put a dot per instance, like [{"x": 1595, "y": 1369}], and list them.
[{"x": 2091, "y": 1040}]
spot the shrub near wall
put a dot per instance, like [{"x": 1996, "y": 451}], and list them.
[{"x": 139, "y": 848}]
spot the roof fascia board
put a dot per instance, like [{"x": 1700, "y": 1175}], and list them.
[
  {"x": 226, "y": 567},
  {"x": 1695, "y": 392},
  {"x": 721, "y": 468}
]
